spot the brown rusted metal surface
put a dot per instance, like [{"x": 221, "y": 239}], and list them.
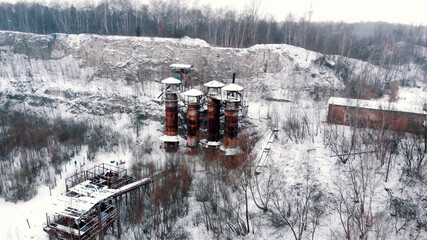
[
  {"x": 185, "y": 79},
  {"x": 104, "y": 215},
  {"x": 171, "y": 147},
  {"x": 377, "y": 119},
  {"x": 214, "y": 106},
  {"x": 193, "y": 124},
  {"x": 231, "y": 124},
  {"x": 171, "y": 102}
]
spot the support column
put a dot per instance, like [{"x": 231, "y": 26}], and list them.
[
  {"x": 101, "y": 231},
  {"x": 119, "y": 232}
]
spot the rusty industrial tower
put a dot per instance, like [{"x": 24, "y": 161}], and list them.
[
  {"x": 214, "y": 107},
  {"x": 192, "y": 98},
  {"x": 232, "y": 100},
  {"x": 170, "y": 94}
]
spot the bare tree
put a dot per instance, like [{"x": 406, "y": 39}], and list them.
[
  {"x": 263, "y": 187},
  {"x": 154, "y": 214},
  {"x": 300, "y": 206},
  {"x": 220, "y": 207},
  {"x": 356, "y": 191},
  {"x": 414, "y": 155},
  {"x": 296, "y": 126},
  {"x": 157, "y": 10},
  {"x": 342, "y": 143}
]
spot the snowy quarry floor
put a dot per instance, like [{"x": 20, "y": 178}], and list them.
[{"x": 75, "y": 97}]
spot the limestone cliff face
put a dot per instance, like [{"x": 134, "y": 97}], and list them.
[
  {"x": 126, "y": 57},
  {"x": 113, "y": 69}
]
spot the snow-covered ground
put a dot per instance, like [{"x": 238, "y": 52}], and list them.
[
  {"x": 94, "y": 79},
  {"x": 14, "y": 224}
]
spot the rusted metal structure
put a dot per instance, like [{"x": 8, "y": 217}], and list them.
[
  {"x": 104, "y": 174},
  {"x": 393, "y": 116},
  {"x": 192, "y": 99},
  {"x": 233, "y": 97},
  {"x": 214, "y": 107},
  {"x": 171, "y": 122},
  {"x": 184, "y": 73},
  {"x": 91, "y": 207}
]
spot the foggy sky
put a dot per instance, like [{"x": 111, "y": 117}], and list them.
[
  {"x": 408, "y": 11},
  {"x": 392, "y": 11}
]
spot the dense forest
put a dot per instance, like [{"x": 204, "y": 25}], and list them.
[{"x": 219, "y": 27}]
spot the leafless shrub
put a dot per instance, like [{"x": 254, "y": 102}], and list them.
[
  {"x": 263, "y": 187},
  {"x": 223, "y": 193},
  {"x": 96, "y": 140},
  {"x": 296, "y": 126},
  {"x": 341, "y": 142},
  {"x": 21, "y": 183},
  {"x": 38, "y": 140},
  {"x": 382, "y": 226},
  {"x": 154, "y": 214},
  {"x": 409, "y": 209},
  {"x": 221, "y": 212},
  {"x": 299, "y": 207},
  {"x": 414, "y": 156},
  {"x": 383, "y": 143},
  {"x": 355, "y": 193}
]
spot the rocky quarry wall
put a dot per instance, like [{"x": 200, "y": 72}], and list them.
[{"x": 87, "y": 57}]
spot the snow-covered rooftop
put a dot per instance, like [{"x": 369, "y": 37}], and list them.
[
  {"x": 399, "y": 106},
  {"x": 232, "y": 87},
  {"x": 180, "y": 66},
  {"x": 171, "y": 81},
  {"x": 192, "y": 93},
  {"x": 89, "y": 196},
  {"x": 214, "y": 84}
]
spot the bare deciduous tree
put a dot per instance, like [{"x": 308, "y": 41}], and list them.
[
  {"x": 356, "y": 191},
  {"x": 263, "y": 187},
  {"x": 296, "y": 126},
  {"x": 342, "y": 143},
  {"x": 414, "y": 155},
  {"x": 300, "y": 206}
]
